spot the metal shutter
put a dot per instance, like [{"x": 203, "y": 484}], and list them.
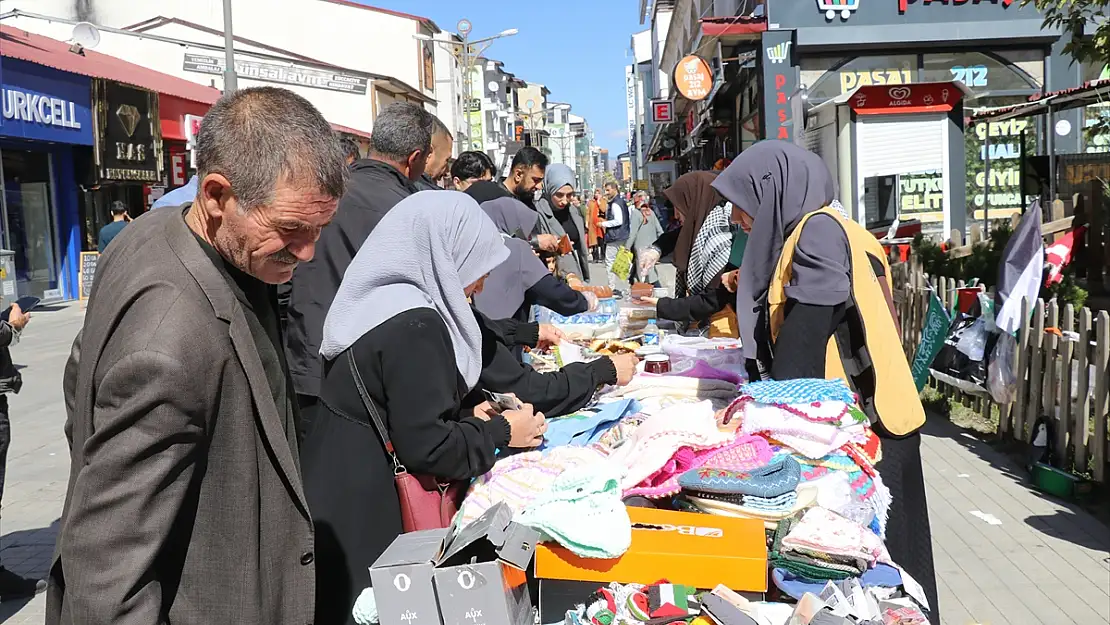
[{"x": 897, "y": 144}]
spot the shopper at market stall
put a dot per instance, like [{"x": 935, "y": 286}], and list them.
[
  {"x": 644, "y": 230},
  {"x": 807, "y": 268},
  {"x": 439, "y": 158},
  {"x": 522, "y": 281},
  {"x": 706, "y": 253},
  {"x": 559, "y": 218},
  {"x": 616, "y": 231},
  {"x": 471, "y": 167},
  {"x": 526, "y": 175},
  {"x": 401, "y": 320},
  {"x": 399, "y": 148},
  {"x": 185, "y": 502}
]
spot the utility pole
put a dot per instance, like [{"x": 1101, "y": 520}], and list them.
[
  {"x": 231, "y": 81},
  {"x": 464, "y": 27}
]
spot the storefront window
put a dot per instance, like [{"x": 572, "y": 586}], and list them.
[
  {"x": 1096, "y": 135},
  {"x": 827, "y": 78},
  {"x": 983, "y": 73},
  {"x": 29, "y": 220},
  {"x": 1007, "y": 139}
]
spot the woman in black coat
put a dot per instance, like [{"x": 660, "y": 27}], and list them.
[{"x": 401, "y": 320}]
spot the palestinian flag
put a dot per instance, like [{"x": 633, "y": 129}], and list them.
[
  {"x": 672, "y": 601},
  {"x": 1020, "y": 272}
]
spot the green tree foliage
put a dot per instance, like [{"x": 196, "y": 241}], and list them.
[{"x": 1072, "y": 17}]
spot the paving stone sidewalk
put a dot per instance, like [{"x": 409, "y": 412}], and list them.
[{"x": 1046, "y": 563}]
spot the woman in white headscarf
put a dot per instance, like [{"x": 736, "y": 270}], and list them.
[{"x": 401, "y": 319}]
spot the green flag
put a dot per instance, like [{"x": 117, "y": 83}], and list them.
[{"x": 932, "y": 339}]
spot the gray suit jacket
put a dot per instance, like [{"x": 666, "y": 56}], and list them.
[{"x": 185, "y": 503}]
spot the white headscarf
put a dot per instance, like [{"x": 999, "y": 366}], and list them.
[{"x": 422, "y": 254}]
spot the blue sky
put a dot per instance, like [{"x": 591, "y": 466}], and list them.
[{"x": 577, "y": 48}]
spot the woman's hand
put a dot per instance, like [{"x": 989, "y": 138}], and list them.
[
  {"x": 527, "y": 427},
  {"x": 730, "y": 280},
  {"x": 549, "y": 335},
  {"x": 485, "y": 411},
  {"x": 625, "y": 365},
  {"x": 650, "y": 301},
  {"x": 548, "y": 242}
]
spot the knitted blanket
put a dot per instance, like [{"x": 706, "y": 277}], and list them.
[
  {"x": 655, "y": 442},
  {"x": 800, "y": 391},
  {"x": 744, "y": 453},
  {"x": 824, "y": 531},
  {"x": 519, "y": 479},
  {"x": 583, "y": 512}
]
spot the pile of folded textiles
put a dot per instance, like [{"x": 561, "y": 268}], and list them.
[{"x": 820, "y": 544}]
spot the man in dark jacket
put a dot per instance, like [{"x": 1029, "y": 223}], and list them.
[
  {"x": 12, "y": 586},
  {"x": 399, "y": 147},
  {"x": 438, "y": 159}
]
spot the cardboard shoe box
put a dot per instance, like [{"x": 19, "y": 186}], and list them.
[
  {"x": 472, "y": 576},
  {"x": 700, "y": 550}
]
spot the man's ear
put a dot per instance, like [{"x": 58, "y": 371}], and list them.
[{"x": 214, "y": 194}]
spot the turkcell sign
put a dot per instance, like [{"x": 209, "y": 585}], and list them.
[
  {"x": 38, "y": 109},
  {"x": 43, "y": 104}
]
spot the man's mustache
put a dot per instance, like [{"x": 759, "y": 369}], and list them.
[{"x": 284, "y": 256}]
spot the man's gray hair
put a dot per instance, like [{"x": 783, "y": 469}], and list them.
[
  {"x": 441, "y": 129},
  {"x": 257, "y": 136},
  {"x": 401, "y": 129}
]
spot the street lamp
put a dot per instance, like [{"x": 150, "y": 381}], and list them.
[{"x": 466, "y": 55}]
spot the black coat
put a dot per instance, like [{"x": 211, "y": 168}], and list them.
[{"x": 374, "y": 188}]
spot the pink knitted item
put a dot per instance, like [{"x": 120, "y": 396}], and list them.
[{"x": 742, "y": 454}]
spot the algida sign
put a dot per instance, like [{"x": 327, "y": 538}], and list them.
[{"x": 128, "y": 133}]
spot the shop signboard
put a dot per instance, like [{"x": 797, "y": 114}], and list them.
[
  {"x": 789, "y": 14},
  {"x": 43, "y": 104},
  {"x": 662, "y": 111},
  {"x": 129, "y": 133},
  {"x": 780, "y": 80},
  {"x": 693, "y": 78},
  {"x": 476, "y": 132},
  {"x": 330, "y": 80}
]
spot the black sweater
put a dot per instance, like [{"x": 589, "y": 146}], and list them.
[
  {"x": 554, "y": 394},
  {"x": 695, "y": 308}
]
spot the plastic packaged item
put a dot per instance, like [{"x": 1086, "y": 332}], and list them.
[
  {"x": 651, "y": 333},
  {"x": 722, "y": 353},
  {"x": 973, "y": 342},
  {"x": 1001, "y": 379}
]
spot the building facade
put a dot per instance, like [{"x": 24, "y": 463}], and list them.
[
  {"x": 46, "y": 133},
  {"x": 369, "y": 58},
  {"x": 997, "y": 50}
]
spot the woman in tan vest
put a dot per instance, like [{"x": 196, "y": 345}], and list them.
[{"x": 812, "y": 302}]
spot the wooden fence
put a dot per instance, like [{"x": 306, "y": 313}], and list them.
[{"x": 1062, "y": 362}]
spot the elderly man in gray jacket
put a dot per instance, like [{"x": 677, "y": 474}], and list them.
[{"x": 185, "y": 502}]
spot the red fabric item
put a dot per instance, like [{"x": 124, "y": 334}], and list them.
[{"x": 1058, "y": 255}]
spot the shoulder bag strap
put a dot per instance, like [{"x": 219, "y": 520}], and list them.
[{"x": 372, "y": 410}]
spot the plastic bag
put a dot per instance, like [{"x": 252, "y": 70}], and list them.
[
  {"x": 973, "y": 341},
  {"x": 622, "y": 264},
  {"x": 1001, "y": 378},
  {"x": 647, "y": 260}
]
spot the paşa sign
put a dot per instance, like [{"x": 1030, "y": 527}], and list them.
[
  {"x": 129, "y": 135},
  {"x": 903, "y": 5}
]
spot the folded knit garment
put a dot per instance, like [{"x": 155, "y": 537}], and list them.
[
  {"x": 519, "y": 479},
  {"x": 655, "y": 442},
  {"x": 586, "y": 426},
  {"x": 796, "y": 563},
  {"x": 743, "y": 453},
  {"x": 825, "y": 531},
  {"x": 583, "y": 512},
  {"x": 799, "y": 391},
  {"x": 794, "y": 585},
  {"x": 777, "y": 478},
  {"x": 646, "y": 385},
  {"x": 809, "y": 438},
  {"x": 864, "y": 488},
  {"x": 771, "y": 504}
]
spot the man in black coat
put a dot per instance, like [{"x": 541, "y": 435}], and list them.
[
  {"x": 399, "y": 148},
  {"x": 439, "y": 159}
]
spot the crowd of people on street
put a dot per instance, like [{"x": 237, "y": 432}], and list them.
[{"x": 260, "y": 361}]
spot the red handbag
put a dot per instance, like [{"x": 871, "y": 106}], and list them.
[{"x": 426, "y": 503}]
